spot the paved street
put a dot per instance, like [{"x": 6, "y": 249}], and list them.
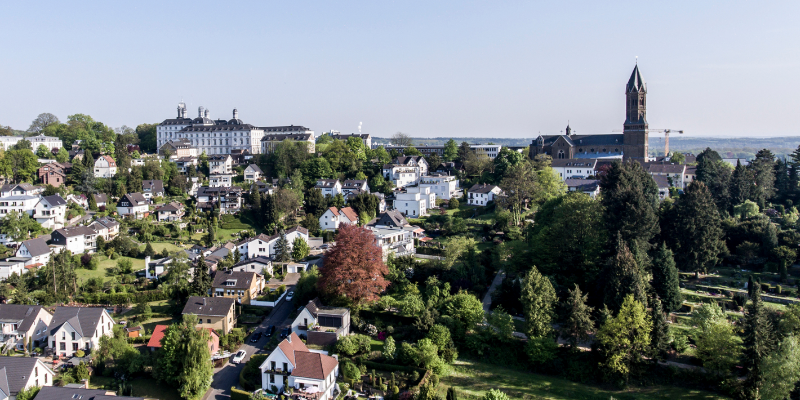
[{"x": 228, "y": 375}]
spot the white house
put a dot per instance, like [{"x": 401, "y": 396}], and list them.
[
  {"x": 76, "y": 239},
  {"x": 220, "y": 180},
  {"x": 152, "y": 188},
  {"x": 105, "y": 167},
  {"x": 260, "y": 265},
  {"x": 445, "y": 187},
  {"x": 291, "y": 235},
  {"x": 185, "y": 164},
  {"x": 20, "y": 189},
  {"x": 481, "y": 194},
  {"x": 305, "y": 370},
  {"x": 407, "y": 170},
  {"x": 252, "y": 173},
  {"x": 51, "y": 211},
  {"x": 220, "y": 164},
  {"x": 228, "y": 199},
  {"x": 19, "y": 373},
  {"x": 354, "y": 186},
  {"x": 575, "y": 168},
  {"x": 332, "y": 218},
  {"x": 22, "y": 324},
  {"x": 133, "y": 204},
  {"x": 588, "y": 186},
  {"x": 415, "y": 201},
  {"x": 329, "y": 187},
  {"x": 170, "y": 212},
  {"x": 35, "y": 250},
  {"x": 6, "y": 142},
  {"x": 399, "y": 241},
  {"x": 254, "y": 247},
  {"x": 12, "y": 265},
  {"x": 106, "y": 227},
  {"x": 317, "y": 317},
  {"x": 208, "y": 135},
  {"x": 20, "y": 204},
  {"x": 78, "y": 328}
]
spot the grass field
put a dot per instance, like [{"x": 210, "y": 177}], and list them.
[
  {"x": 475, "y": 379},
  {"x": 142, "y": 387},
  {"x": 104, "y": 264}
]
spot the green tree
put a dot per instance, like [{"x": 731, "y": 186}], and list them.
[
  {"x": 185, "y": 360},
  {"x": 63, "y": 155},
  {"x": 630, "y": 199},
  {"x": 299, "y": 249},
  {"x": 28, "y": 393},
  {"x": 463, "y": 151},
  {"x": 148, "y": 250},
  {"x": 666, "y": 282},
  {"x": 283, "y": 253},
  {"x": 389, "y": 349},
  {"x": 144, "y": 311},
  {"x": 211, "y": 237},
  {"x": 43, "y": 152},
  {"x": 758, "y": 341},
  {"x": 716, "y": 174},
  {"x": 494, "y": 394},
  {"x": 624, "y": 339},
  {"x": 464, "y": 307},
  {"x": 92, "y": 203},
  {"x": 696, "y": 229},
  {"x": 741, "y": 188},
  {"x": 718, "y": 346},
  {"x": 622, "y": 278},
  {"x": 576, "y": 320},
  {"x": 659, "y": 339},
  {"x": 19, "y": 165},
  {"x": 450, "y": 151},
  {"x": 538, "y": 302},
  {"x": 763, "y": 167},
  {"x": 20, "y": 227},
  {"x": 781, "y": 370},
  {"x": 315, "y": 203},
  {"x": 41, "y": 122},
  {"x": 147, "y": 137},
  {"x": 81, "y": 372}
]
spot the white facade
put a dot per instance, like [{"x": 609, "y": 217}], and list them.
[
  {"x": 211, "y": 136},
  {"x": 220, "y": 180},
  {"x": 20, "y": 204},
  {"x": 77, "y": 239},
  {"x": 11, "y": 266},
  {"x": 252, "y": 173},
  {"x": 68, "y": 339},
  {"x": 490, "y": 150},
  {"x": 35, "y": 250},
  {"x": 47, "y": 141},
  {"x": 254, "y": 247},
  {"x": 445, "y": 187},
  {"x": 332, "y": 218},
  {"x": 220, "y": 164},
  {"x": 404, "y": 171},
  {"x": 291, "y": 235},
  {"x": 415, "y": 202},
  {"x": 51, "y": 212},
  {"x": 105, "y": 167},
  {"x": 290, "y": 355},
  {"x": 399, "y": 241},
  {"x": 482, "y": 194},
  {"x": 578, "y": 168},
  {"x": 329, "y": 187}
]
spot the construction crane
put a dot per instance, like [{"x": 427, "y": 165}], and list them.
[{"x": 666, "y": 133}]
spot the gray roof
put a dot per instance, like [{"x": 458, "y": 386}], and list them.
[
  {"x": 155, "y": 186},
  {"x": 342, "y": 136},
  {"x": 354, "y": 183},
  {"x": 136, "y": 199},
  {"x": 83, "y": 319},
  {"x": 241, "y": 279},
  {"x": 37, "y": 247},
  {"x": 609, "y": 140},
  {"x": 661, "y": 181},
  {"x": 390, "y": 218},
  {"x": 100, "y": 198},
  {"x": 55, "y": 200},
  {"x": 582, "y": 184},
  {"x": 259, "y": 259},
  {"x": 4, "y": 384},
  {"x": 282, "y": 137},
  {"x": 315, "y": 307},
  {"x": 172, "y": 206},
  {"x": 62, "y": 393},
  {"x": 24, "y": 186},
  {"x": 579, "y": 162},
  {"x": 636, "y": 82},
  {"x": 219, "y": 157},
  {"x": 14, "y": 313},
  {"x": 18, "y": 371},
  {"x": 254, "y": 168},
  {"x": 216, "y": 306},
  {"x": 289, "y": 128},
  {"x": 326, "y": 183},
  {"x": 75, "y": 231},
  {"x": 108, "y": 222},
  {"x": 481, "y": 188}
]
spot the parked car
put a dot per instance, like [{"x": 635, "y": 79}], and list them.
[
  {"x": 239, "y": 357},
  {"x": 255, "y": 337},
  {"x": 285, "y": 332},
  {"x": 270, "y": 330},
  {"x": 289, "y": 296}
]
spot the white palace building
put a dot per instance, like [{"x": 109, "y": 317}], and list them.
[{"x": 214, "y": 136}]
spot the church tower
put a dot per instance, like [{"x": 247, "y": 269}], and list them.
[{"x": 635, "y": 131}]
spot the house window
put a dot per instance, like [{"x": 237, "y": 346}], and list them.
[
  {"x": 208, "y": 320},
  {"x": 62, "y": 346},
  {"x": 73, "y": 335},
  {"x": 74, "y": 347},
  {"x": 285, "y": 367},
  {"x": 271, "y": 378}
]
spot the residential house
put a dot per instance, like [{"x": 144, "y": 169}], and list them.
[
  {"x": 36, "y": 251},
  {"x": 76, "y": 239},
  {"x": 101, "y": 199},
  {"x": 397, "y": 241},
  {"x": 20, "y": 189},
  {"x": 320, "y": 324},
  {"x": 134, "y": 205},
  {"x": 332, "y": 218},
  {"x": 663, "y": 184},
  {"x": 220, "y": 164},
  {"x": 185, "y": 164},
  {"x": 444, "y": 187},
  {"x": 291, "y": 235},
  {"x": 106, "y": 227},
  {"x": 481, "y": 194},
  {"x": 406, "y": 170},
  {"x": 79, "y": 393},
  {"x": 228, "y": 199},
  {"x": 241, "y": 156},
  {"x": 170, "y": 212},
  {"x": 221, "y": 180},
  {"x": 242, "y": 286},
  {"x": 23, "y": 325},
  {"x": 329, "y": 187},
  {"x": 105, "y": 167},
  {"x": 79, "y": 199},
  {"x": 160, "y": 330},
  {"x": 270, "y": 141},
  {"x": 19, "y": 373},
  {"x": 305, "y": 370},
  {"x": 78, "y": 328},
  {"x": 574, "y": 168},
  {"x": 156, "y": 268},
  {"x": 390, "y": 219},
  {"x": 217, "y": 313},
  {"x": 452, "y": 168},
  {"x": 588, "y": 186},
  {"x": 152, "y": 188},
  {"x": 260, "y": 265},
  {"x": 179, "y": 148},
  {"x": 12, "y": 265},
  {"x": 54, "y": 174},
  {"x": 415, "y": 201},
  {"x": 252, "y": 173},
  {"x": 20, "y": 204},
  {"x": 51, "y": 211},
  {"x": 674, "y": 172},
  {"x": 354, "y": 185},
  {"x": 254, "y": 247}
]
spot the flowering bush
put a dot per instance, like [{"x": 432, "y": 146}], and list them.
[{"x": 382, "y": 336}]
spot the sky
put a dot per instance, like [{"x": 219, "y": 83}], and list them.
[{"x": 428, "y": 69}]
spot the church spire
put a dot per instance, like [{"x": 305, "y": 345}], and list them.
[{"x": 636, "y": 82}]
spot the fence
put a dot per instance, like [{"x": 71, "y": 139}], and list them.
[{"x": 268, "y": 303}]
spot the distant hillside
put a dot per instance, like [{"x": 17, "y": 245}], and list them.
[{"x": 727, "y": 147}]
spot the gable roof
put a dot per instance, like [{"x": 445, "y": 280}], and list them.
[
  {"x": 65, "y": 392},
  {"x": 297, "y": 228},
  {"x": 108, "y": 222},
  {"x": 334, "y": 211},
  {"x": 136, "y": 199},
  {"x": 100, "y": 198},
  {"x": 54, "y": 200},
  {"x": 83, "y": 319},
  {"x": 324, "y": 183},
  {"x": 75, "y": 231},
  {"x": 242, "y": 280},
  {"x": 481, "y": 188},
  {"x": 290, "y": 346},
  {"x": 14, "y": 313},
  {"x": 37, "y": 247},
  {"x": 158, "y": 334},
  {"x": 171, "y": 206},
  {"x": 18, "y": 370},
  {"x": 354, "y": 183},
  {"x": 313, "y": 365},
  {"x": 391, "y": 218},
  {"x": 260, "y": 260},
  {"x": 4, "y": 384},
  {"x": 349, "y": 213},
  {"x": 111, "y": 162},
  {"x": 214, "y": 306},
  {"x": 155, "y": 186},
  {"x": 254, "y": 168}
]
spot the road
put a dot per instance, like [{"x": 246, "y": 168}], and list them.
[
  {"x": 228, "y": 375},
  {"x": 498, "y": 279}
]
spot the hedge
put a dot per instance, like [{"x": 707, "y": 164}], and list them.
[
  {"x": 392, "y": 367},
  {"x": 118, "y": 299},
  {"x": 237, "y": 394}
]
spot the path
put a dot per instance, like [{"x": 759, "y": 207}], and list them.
[
  {"x": 88, "y": 216},
  {"x": 498, "y": 279},
  {"x": 228, "y": 375}
]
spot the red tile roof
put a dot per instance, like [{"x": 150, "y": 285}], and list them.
[
  {"x": 290, "y": 346},
  {"x": 350, "y": 214},
  {"x": 32, "y": 266},
  {"x": 313, "y": 365},
  {"x": 158, "y": 334}
]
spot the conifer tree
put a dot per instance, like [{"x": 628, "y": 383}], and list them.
[
  {"x": 696, "y": 229},
  {"x": 576, "y": 318},
  {"x": 758, "y": 341},
  {"x": 255, "y": 201},
  {"x": 92, "y": 203},
  {"x": 716, "y": 174},
  {"x": 622, "y": 278},
  {"x": 659, "y": 337},
  {"x": 201, "y": 283},
  {"x": 283, "y": 252},
  {"x": 630, "y": 198},
  {"x": 299, "y": 249},
  {"x": 148, "y": 250},
  {"x": 538, "y": 302},
  {"x": 624, "y": 339},
  {"x": 666, "y": 281}
]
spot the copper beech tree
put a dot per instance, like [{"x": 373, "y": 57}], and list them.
[{"x": 354, "y": 266}]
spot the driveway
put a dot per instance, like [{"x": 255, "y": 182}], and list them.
[{"x": 228, "y": 375}]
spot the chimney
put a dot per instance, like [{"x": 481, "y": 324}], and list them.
[
  {"x": 289, "y": 337},
  {"x": 85, "y": 383},
  {"x": 207, "y": 113},
  {"x": 204, "y": 301},
  {"x": 147, "y": 261},
  {"x": 200, "y": 112},
  {"x": 235, "y": 114}
]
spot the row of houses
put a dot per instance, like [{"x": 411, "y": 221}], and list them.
[{"x": 681, "y": 175}]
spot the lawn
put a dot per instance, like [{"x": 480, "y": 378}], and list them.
[
  {"x": 475, "y": 379},
  {"x": 142, "y": 387},
  {"x": 104, "y": 264},
  {"x": 160, "y": 246}
]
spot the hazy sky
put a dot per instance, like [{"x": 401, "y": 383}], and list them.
[{"x": 427, "y": 68}]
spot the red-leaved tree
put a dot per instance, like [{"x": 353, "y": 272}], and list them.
[{"x": 354, "y": 266}]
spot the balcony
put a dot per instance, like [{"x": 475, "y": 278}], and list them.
[{"x": 278, "y": 371}]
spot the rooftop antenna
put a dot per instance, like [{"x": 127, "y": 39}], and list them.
[{"x": 637, "y": 60}]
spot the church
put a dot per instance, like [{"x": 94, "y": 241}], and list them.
[{"x": 631, "y": 144}]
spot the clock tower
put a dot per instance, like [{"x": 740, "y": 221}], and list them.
[{"x": 635, "y": 131}]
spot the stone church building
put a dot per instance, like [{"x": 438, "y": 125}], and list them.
[{"x": 631, "y": 144}]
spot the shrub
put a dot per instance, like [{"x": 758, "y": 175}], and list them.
[
  {"x": 79, "y": 353},
  {"x": 765, "y": 287},
  {"x": 778, "y": 289}
]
